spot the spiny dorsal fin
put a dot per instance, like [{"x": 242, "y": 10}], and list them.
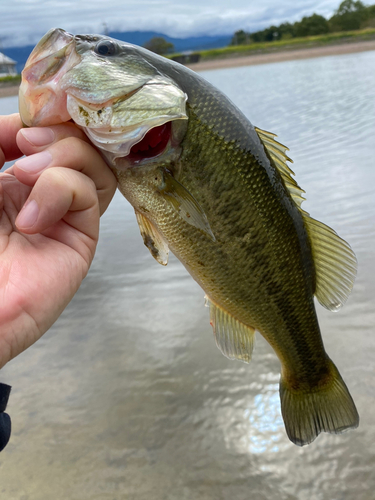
[
  {"x": 277, "y": 152},
  {"x": 335, "y": 262},
  {"x": 153, "y": 240},
  {"x": 234, "y": 339}
]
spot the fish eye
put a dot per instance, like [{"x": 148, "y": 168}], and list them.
[{"x": 106, "y": 48}]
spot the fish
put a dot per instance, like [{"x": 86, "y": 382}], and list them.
[{"x": 216, "y": 191}]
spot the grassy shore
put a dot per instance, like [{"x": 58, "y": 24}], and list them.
[
  {"x": 329, "y": 39},
  {"x": 10, "y": 81},
  {"x": 9, "y": 85},
  {"x": 283, "y": 55}
]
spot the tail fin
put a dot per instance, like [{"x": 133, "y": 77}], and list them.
[{"x": 329, "y": 408}]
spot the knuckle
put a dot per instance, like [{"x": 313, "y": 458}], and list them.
[
  {"x": 67, "y": 130},
  {"x": 67, "y": 152},
  {"x": 71, "y": 143},
  {"x": 59, "y": 176},
  {"x": 55, "y": 176}
]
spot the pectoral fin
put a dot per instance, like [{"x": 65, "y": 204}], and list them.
[
  {"x": 153, "y": 240},
  {"x": 234, "y": 339},
  {"x": 185, "y": 204}
]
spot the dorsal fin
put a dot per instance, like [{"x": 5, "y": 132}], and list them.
[
  {"x": 335, "y": 264},
  {"x": 334, "y": 260},
  {"x": 234, "y": 339},
  {"x": 277, "y": 152}
]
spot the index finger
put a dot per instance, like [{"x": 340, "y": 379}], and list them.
[{"x": 9, "y": 126}]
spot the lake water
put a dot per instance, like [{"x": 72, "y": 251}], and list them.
[{"x": 127, "y": 397}]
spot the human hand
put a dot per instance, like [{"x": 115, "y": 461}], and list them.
[{"x": 50, "y": 204}]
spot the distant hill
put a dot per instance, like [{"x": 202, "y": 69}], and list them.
[
  {"x": 20, "y": 54},
  {"x": 180, "y": 44}
]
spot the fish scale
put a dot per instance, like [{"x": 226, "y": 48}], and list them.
[{"x": 248, "y": 256}]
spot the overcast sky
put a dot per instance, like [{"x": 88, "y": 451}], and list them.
[{"x": 23, "y": 22}]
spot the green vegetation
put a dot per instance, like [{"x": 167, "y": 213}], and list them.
[
  {"x": 159, "y": 45},
  {"x": 10, "y": 81},
  {"x": 288, "y": 44},
  {"x": 351, "y": 22},
  {"x": 351, "y": 15}
]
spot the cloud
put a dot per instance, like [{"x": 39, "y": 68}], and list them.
[{"x": 23, "y": 22}]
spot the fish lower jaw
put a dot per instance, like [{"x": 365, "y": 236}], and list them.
[
  {"x": 42, "y": 107},
  {"x": 137, "y": 148}
]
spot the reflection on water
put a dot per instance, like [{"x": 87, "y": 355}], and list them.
[
  {"x": 264, "y": 421},
  {"x": 127, "y": 397}
]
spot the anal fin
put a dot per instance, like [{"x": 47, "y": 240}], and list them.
[
  {"x": 234, "y": 339},
  {"x": 153, "y": 240}
]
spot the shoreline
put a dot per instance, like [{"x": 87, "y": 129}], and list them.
[
  {"x": 261, "y": 58},
  {"x": 284, "y": 55},
  {"x": 9, "y": 91}
]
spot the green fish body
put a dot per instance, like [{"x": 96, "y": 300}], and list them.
[{"x": 218, "y": 193}]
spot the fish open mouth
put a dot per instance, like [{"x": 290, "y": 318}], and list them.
[{"x": 153, "y": 144}]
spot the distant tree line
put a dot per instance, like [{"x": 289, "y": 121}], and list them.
[
  {"x": 159, "y": 45},
  {"x": 350, "y": 15}
]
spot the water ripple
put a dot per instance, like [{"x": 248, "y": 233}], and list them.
[{"x": 127, "y": 395}]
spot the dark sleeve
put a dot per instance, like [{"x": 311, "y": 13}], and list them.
[{"x": 5, "y": 423}]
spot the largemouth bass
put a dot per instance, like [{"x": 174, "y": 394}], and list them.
[{"x": 218, "y": 193}]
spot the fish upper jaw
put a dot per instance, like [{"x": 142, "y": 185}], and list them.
[
  {"x": 119, "y": 102},
  {"x": 41, "y": 101},
  {"x": 119, "y": 124}
]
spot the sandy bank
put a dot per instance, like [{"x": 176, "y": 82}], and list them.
[
  {"x": 287, "y": 55},
  {"x": 8, "y": 91}
]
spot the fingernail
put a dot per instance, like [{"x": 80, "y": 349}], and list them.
[
  {"x": 28, "y": 215},
  {"x": 38, "y": 136},
  {"x": 35, "y": 163}
]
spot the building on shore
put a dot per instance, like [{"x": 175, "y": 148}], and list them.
[
  {"x": 7, "y": 66},
  {"x": 187, "y": 57}
]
